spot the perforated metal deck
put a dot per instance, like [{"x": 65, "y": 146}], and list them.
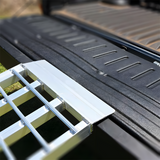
[{"x": 67, "y": 94}]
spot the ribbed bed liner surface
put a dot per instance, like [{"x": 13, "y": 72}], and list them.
[
  {"x": 125, "y": 81},
  {"x": 138, "y": 25}
]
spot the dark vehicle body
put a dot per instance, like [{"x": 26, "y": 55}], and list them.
[{"x": 111, "y": 48}]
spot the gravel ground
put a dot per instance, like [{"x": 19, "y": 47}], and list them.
[{"x": 9, "y": 8}]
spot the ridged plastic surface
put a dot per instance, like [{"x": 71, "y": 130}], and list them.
[
  {"x": 138, "y": 25},
  {"x": 128, "y": 83}
]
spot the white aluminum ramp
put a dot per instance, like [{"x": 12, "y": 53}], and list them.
[{"x": 67, "y": 94}]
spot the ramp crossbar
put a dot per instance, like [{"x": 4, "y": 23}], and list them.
[
  {"x": 67, "y": 95},
  {"x": 25, "y": 121},
  {"x": 60, "y": 116}
]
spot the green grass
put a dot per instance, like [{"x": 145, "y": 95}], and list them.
[
  {"x": 3, "y": 17},
  {"x": 13, "y": 87},
  {"x": 2, "y": 69}
]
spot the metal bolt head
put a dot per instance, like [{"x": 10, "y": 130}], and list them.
[{"x": 4, "y": 100}]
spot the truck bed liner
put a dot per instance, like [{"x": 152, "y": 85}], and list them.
[
  {"x": 131, "y": 89},
  {"x": 132, "y": 23}
]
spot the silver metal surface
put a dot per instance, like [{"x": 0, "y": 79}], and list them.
[
  {"x": 14, "y": 132},
  {"x": 24, "y": 119},
  {"x": 81, "y": 100},
  {"x": 19, "y": 97},
  {"x": 63, "y": 143},
  {"x": 60, "y": 116},
  {"x": 67, "y": 94}
]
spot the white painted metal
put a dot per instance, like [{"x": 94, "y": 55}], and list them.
[{"x": 69, "y": 95}]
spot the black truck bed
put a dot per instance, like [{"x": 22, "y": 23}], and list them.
[{"x": 126, "y": 80}]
